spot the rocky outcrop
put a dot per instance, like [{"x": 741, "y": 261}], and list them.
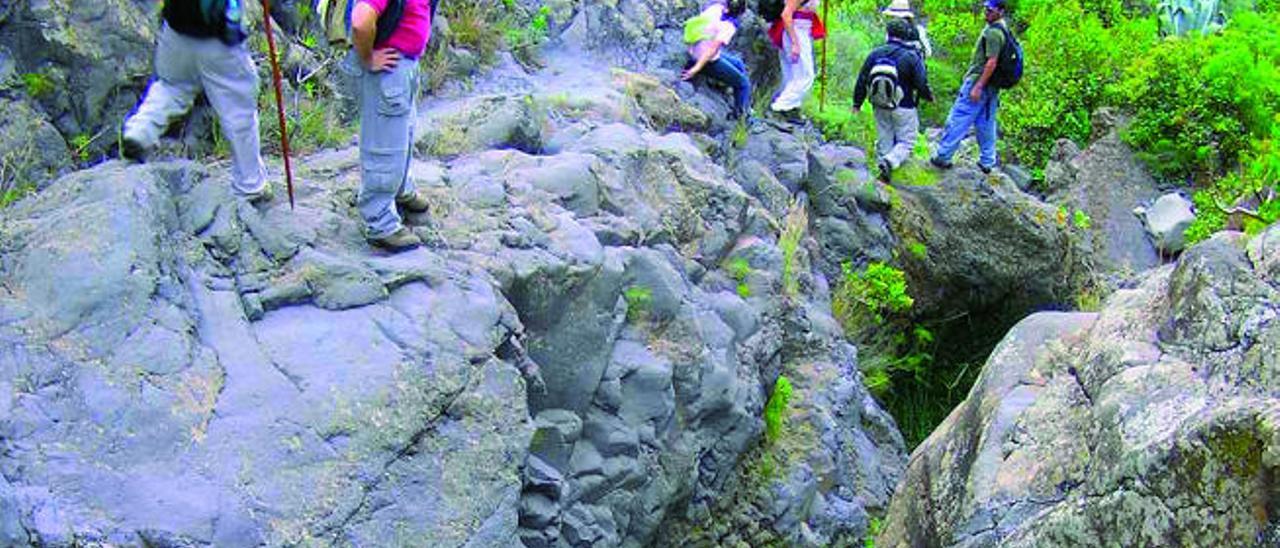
[
  {"x": 572, "y": 362},
  {"x": 1106, "y": 181},
  {"x": 973, "y": 242},
  {"x": 1167, "y": 221},
  {"x": 1153, "y": 422}
]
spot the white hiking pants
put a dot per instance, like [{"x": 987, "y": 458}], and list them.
[
  {"x": 896, "y": 133},
  {"x": 797, "y": 77},
  {"x": 185, "y": 66}
]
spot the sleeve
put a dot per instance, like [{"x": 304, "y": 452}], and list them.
[
  {"x": 860, "y": 88},
  {"x": 922, "y": 78},
  {"x": 992, "y": 42}
]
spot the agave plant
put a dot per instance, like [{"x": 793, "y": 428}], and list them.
[{"x": 1179, "y": 17}]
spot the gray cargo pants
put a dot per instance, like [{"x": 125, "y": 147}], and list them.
[
  {"x": 187, "y": 65},
  {"x": 896, "y": 133},
  {"x": 387, "y": 109}
]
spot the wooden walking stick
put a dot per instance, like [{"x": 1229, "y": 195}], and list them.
[
  {"x": 275, "y": 78},
  {"x": 822, "y": 89}
]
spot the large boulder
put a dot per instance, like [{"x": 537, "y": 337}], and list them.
[
  {"x": 1106, "y": 181},
  {"x": 975, "y": 242},
  {"x": 1155, "y": 422},
  {"x": 177, "y": 368}
]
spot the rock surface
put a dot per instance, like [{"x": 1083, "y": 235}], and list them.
[
  {"x": 1153, "y": 422},
  {"x": 570, "y": 363},
  {"x": 1106, "y": 182},
  {"x": 1167, "y": 221}
]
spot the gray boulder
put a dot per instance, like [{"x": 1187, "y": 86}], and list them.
[
  {"x": 1167, "y": 220},
  {"x": 154, "y": 394},
  {"x": 1106, "y": 182},
  {"x": 986, "y": 246},
  {"x": 1152, "y": 422}
]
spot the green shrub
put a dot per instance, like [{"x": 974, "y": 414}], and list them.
[
  {"x": 775, "y": 410},
  {"x": 38, "y": 84},
  {"x": 739, "y": 269},
  {"x": 639, "y": 299},
  {"x": 1200, "y": 101},
  {"x": 1071, "y": 59},
  {"x": 864, "y": 298},
  {"x": 1256, "y": 185}
]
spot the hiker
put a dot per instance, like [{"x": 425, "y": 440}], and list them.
[
  {"x": 919, "y": 38},
  {"x": 894, "y": 79},
  {"x": 793, "y": 33},
  {"x": 388, "y": 89},
  {"x": 197, "y": 52},
  {"x": 979, "y": 96},
  {"x": 707, "y": 35}
]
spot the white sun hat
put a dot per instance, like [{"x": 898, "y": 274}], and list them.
[{"x": 899, "y": 8}]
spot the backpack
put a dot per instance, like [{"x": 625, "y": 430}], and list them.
[
  {"x": 771, "y": 10},
  {"x": 695, "y": 28},
  {"x": 1009, "y": 64},
  {"x": 222, "y": 18},
  {"x": 335, "y": 15},
  {"x": 883, "y": 90}
]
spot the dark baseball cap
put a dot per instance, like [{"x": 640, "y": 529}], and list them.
[{"x": 996, "y": 5}]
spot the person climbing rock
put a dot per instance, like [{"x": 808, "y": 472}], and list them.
[
  {"x": 919, "y": 39},
  {"x": 977, "y": 101},
  {"x": 388, "y": 90},
  {"x": 199, "y": 51},
  {"x": 707, "y": 35},
  {"x": 793, "y": 32},
  {"x": 894, "y": 79}
]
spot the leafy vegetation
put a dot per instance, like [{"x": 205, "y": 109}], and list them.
[
  {"x": 797, "y": 222},
  {"x": 739, "y": 269},
  {"x": 639, "y": 300},
  {"x": 775, "y": 411},
  {"x": 38, "y": 84}
]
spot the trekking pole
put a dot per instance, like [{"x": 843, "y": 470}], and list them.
[
  {"x": 275, "y": 78},
  {"x": 822, "y": 88}
]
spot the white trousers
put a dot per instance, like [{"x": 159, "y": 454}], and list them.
[{"x": 797, "y": 77}]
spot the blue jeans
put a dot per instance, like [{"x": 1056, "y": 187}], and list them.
[
  {"x": 387, "y": 112},
  {"x": 730, "y": 69},
  {"x": 980, "y": 115}
]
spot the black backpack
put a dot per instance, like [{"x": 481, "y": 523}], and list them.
[
  {"x": 222, "y": 19},
  {"x": 1009, "y": 64},
  {"x": 771, "y": 10}
]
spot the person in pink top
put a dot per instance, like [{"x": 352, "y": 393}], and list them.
[{"x": 388, "y": 89}]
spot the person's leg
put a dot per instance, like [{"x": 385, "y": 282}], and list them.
[
  {"x": 386, "y": 106},
  {"x": 985, "y": 127},
  {"x": 786, "y": 67},
  {"x": 740, "y": 81},
  {"x": 723, "y": 71},
  {"x": 963, "y": 114},
  {"x": 231, "y": 83},
  {"x": 169, "y": 95},
  {"x": 884, "y": 131},
  {"x": 905, "y": 126},
  {"x": 796, "y": 88},
  {"x": 407, "y": 190}
]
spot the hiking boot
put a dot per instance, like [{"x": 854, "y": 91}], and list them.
[
  {"x": 414, "y": 203},
  {"x": 985, "y": 169},
  {"x": 886, "y": 171},
  {"x": 132, "y": 149},
  {"x": 260, "y": 197},
  {"x": 400, "y": 240},
  {"x": 940, "y": 163}
]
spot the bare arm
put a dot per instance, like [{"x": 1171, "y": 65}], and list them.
[
  {"x": 702, "y": 60},
  {"x": 788, "y": 23},
  {"x": 364, "y": 27}
]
